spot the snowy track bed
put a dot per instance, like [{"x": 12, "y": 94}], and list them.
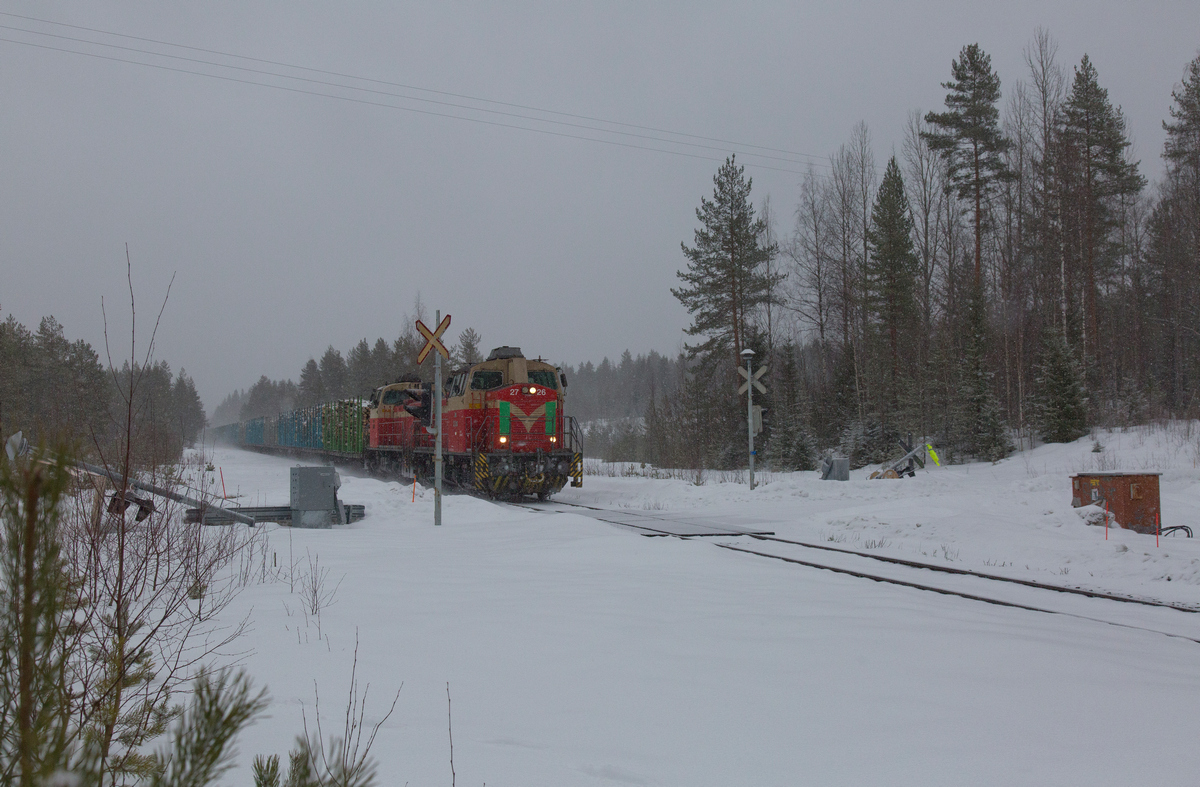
[
  {"x": 580, "y": 653},
  {"x": 1128, "y": 612},
  {"x": 1013, "y": 518}
]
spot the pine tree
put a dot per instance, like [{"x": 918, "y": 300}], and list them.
[
  {"x": 334, "y": 374},
  {"x": 969, "y": 136},
  {"x": 381, "y": 363},
  {"x": 1174, "y": 231},
  {"x": 312, "y": 388},
  {"x": 467, "y": 351},
  {"x": 35, "y": 603},
  {"x": 724, "y": 281},
  {"x": 188, "y": 409},
  {"x": 891, "y": 284},
  {"x": 981, "y": 431},
  {"x": 1096, "y": 175},
  {"x": 359, "y": 379},
  {"x": 791, "y": 446},
  {"x": 1182, "y": 148},
  {"x": 1059, "y": 405}
]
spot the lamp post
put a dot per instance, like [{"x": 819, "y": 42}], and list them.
[
  {"x": 437, "y": 433},
  {"x": 748, "y": 354}
]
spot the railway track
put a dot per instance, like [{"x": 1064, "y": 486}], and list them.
[{"x": 1131, "y": 612}]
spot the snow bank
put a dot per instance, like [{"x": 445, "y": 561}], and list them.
[{"x": 578, "y": 653}]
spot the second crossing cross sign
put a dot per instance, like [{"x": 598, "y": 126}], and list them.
[
  {"x": 433, "y": 339},
  {"x": 746, "y": 376}
]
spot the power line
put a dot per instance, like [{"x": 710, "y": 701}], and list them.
[
  {"x": 747, "y": 148},
  {"x": 405, "y": 86},
  {"x": 381, "y": 92},
  {"x": 383, "y": 105}
]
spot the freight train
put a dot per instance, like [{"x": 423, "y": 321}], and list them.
[{"x": 504, "y": 432}]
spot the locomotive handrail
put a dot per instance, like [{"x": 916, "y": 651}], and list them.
[
  {"x": 574, "y": 439},
  {"x": 479, "y": 437}
]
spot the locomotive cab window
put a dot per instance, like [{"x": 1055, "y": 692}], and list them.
[
  {"x": 394, "y": 396},
  {"x": 543, "y": 378},
  {"x": 487, "y": 379}
]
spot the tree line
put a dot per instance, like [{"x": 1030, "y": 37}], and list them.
[
  {"x": 336, "y": 376},
  {"x": 1008, "y": 275},
  {"x": 52, "y": 388}
]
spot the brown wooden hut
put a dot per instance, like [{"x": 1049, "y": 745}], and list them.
[{"x": 1132, "y": 498}]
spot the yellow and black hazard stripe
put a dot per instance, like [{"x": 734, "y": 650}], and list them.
[
  {"x": 577, "y": 470},
  {"x": 482, "y": 471}
]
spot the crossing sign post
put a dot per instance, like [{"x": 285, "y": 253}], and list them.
[
  {"x": 433, "y": 342},
  {"x": 748, "y": 388}
]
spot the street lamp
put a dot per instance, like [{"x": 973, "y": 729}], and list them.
[{"x": 747, "y": 355}]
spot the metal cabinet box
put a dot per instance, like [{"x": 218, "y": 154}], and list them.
[
  {"x": 1132, "y": 498},
  {"x": 835, "y": 468},
  {"x": 314, "y": 497}
]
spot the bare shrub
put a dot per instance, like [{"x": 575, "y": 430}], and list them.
[
  {"x": 315, "y": 591},
  {"x": 342, "y": 760},
  {"x": 148, "y": 588},
  {"x": 150, "y": 598}
]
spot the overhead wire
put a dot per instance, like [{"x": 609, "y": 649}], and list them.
[
  {"x": 374, "y": 91},
  {"x": 747, "y": 149},
  {"x": 389, "y": 106},
  {"x": 411, "y": 87}
]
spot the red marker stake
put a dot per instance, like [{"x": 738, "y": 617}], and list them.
[
  {"x": 414, "y": 487},
  {"x": 224, "y": 494},
  {"x": 1105, "y": 520},
  {"x": 1157, "y": 528}
]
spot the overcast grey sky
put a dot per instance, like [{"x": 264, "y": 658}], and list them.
[{"x": 295, "y": 221}]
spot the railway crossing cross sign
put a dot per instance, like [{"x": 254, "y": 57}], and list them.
[
  {"x": 746, "y": 376},
  {"x": 433, "y": 340}
]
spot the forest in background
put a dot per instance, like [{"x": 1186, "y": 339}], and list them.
[
  {"x": 1008, "y": 275},
  {"x": 53, "y": 389}
]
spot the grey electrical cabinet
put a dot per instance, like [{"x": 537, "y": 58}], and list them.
[
  {"x": 835, "y": 468},
  {"x": 314, "y": 497}
]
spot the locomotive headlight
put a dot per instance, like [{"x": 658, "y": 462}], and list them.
[
  {"x": 503, "y": 439},
  {"x": 554, "y": 439}
]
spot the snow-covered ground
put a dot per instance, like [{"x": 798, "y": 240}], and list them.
[{"x": 579, "y": 653}]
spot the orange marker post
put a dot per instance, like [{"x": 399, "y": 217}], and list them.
[
  {"x": 224, "y": 494},
  {"x": 414, "y": 487}
]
